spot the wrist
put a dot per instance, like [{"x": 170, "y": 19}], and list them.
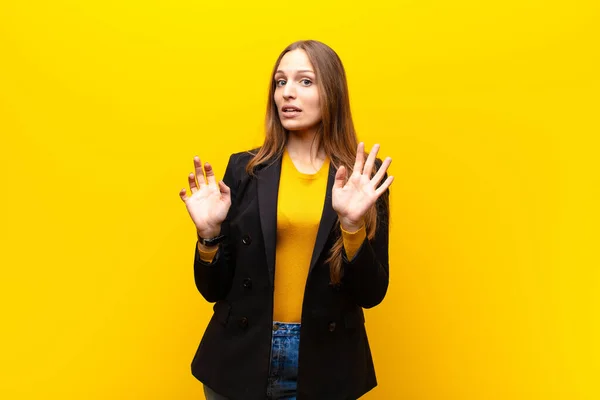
[
  {"x": 208, "y": 233},
  {"x": 351, "y": 226},
  {"x": 210, "y": 242}
]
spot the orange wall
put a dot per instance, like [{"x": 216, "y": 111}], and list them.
[{"x": 489, "y": 110}]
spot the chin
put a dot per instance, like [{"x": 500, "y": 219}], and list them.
[
  {"x": 297, "y": 126},
  {"x": 293, "y": 126}
]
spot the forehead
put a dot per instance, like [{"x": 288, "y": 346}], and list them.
[{"x": 293, "y": 61}]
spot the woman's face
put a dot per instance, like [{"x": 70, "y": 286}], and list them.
[{"x": 296, "y": 93}]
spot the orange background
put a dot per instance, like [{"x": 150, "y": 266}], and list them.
[{"x": 489, "y": 110}]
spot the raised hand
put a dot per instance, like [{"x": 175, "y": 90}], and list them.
[
  {"x": 210, "y": 201},
  {"x": 352, "y": 198}
]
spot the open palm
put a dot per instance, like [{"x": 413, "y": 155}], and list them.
[
  {"x": 210, "y": 200},
  {"x": 352, "y": 198}
]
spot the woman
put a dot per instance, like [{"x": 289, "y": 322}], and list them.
[{"x": 292, "y": 244}]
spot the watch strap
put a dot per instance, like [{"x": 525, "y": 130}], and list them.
[{"x": 209, "y": 242}]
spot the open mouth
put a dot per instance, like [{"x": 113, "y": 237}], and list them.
[{"x": 291, "y": 110}]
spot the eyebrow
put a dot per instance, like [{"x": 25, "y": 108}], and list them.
[{"x": 300, "y": 70}]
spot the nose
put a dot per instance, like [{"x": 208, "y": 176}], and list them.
[{"x": 289, "y": 91}]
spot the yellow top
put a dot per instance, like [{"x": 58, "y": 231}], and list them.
[{"x": 299, "y": 209}]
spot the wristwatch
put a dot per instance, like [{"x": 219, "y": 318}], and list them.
[{"x": 211, "y": 241}]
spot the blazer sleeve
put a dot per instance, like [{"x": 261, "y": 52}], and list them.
[
  {"x": 366, "y": 275},
  {"x": 213, "y": 279}
]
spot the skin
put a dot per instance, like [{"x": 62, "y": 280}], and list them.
[
  {"x": 295, "y": 84},
  {"x": 352, "y": 193}
]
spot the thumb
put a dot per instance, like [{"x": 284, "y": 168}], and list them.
[
  {"x": 340, "y": 178},
  {"x": 224, "y": 189}
]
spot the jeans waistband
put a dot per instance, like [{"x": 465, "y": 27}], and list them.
[{"x": 286, "y": 328}]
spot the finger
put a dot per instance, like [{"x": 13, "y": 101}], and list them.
[
  {"x": 386, "y": 184},
  {"x": 371, "y": 160},
  {"x": 199, "y": 171},
  {"x": 210, "y": 174},
  {"x": 224, "y": 189},
  {"x": 340, "y": 177},
  {"x": 192, "y": 181},
  {"x": 360, "y": 158},
  {"x": 381, "y": 171},
  {"x": 183, "y": 194}
]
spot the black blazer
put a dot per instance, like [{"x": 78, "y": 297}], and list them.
[{"x": 233, "y": 357}]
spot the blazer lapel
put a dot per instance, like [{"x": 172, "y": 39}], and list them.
[
  {"x": 328, "y": 218},
  {"x": 268, "y": 189}
]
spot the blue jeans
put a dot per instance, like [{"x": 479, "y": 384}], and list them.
[
  {"x": 283, "y": 371},
  {"x": 284, "y": 361}
]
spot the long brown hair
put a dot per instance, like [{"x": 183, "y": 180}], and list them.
[{"x": 336, "y": 134}]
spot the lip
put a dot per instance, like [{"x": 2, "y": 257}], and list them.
[
  {"x": 290, "y": 115},
  {"x": 292, "y": 107}
]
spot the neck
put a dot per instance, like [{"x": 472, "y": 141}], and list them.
[{"x": 305, "y": 146}]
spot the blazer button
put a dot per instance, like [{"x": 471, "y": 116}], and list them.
[
  {"x": 247, "y": 283},
  {"x": 331, "y": 326},
  {"x": 243, "y": 322},
  {"x": 246, "y": 240}
]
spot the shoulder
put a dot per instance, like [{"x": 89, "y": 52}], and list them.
[
  {"x": 243, "y": 155},
  {"x": 241, "y": 159},
  {"x": 236, "y": 167}
]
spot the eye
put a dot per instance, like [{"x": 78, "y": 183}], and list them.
[
  {"x": 278, "y": 82},
  {"x": 307, "y": 82}
]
